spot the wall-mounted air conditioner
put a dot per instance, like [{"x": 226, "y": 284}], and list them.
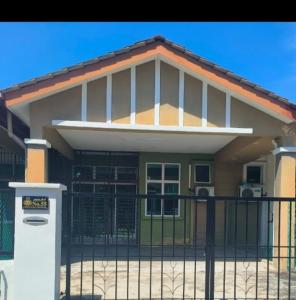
[
  {"x": 204, "y": 191},
  {"x": 250, "y": 192}
]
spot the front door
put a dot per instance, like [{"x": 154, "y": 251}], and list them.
[{"x": 119, "y": 211}]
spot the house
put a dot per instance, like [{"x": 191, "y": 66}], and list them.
[{"x": 154, "y": 118}]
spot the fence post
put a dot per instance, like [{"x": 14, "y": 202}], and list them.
[
  {"x": 37, "y": 249},
  {"x": 68, "y": 242},
  {"x": 210, "y": 250}
]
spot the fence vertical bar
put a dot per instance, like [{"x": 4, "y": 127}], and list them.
[
  {"x": 116, "y": 260},
  {"x": 139, "y": 247},
  {"x": 268, "y": 250},
  {"x": 151, "y": 227},
  {"x": 290, "y": 250},
  {"x": 93, "y": 247},
  {"x": 210, "y": 245},
  {"x": 279, "y": 250},
  {"x": 184, "y": 246},
  {"x": 257, "y": 244},
  {"x": 224, "y": 247},
  {"x": 128, "y": 248},
  {"x": 195, "y": 246},
  {"x": 235, "y": 246},
  {"x": 68, "y": 198},
  {"x": 161, "y": 271}
]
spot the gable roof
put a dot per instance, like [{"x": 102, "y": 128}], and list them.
[{"x": 21, "y": 88}]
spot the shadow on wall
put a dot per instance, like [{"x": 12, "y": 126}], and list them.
[
  {"x": 3, "y": 286},
  {"x": 85, "y": 297}
]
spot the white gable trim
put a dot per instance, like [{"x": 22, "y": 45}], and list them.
[
  {"x": 180, "y": 67},
  {"x": 226, "y": 90}
]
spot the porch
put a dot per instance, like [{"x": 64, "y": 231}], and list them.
[{"x": 220, "y": 164}]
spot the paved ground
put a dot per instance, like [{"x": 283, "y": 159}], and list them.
[{"x": 105, "y": 283}]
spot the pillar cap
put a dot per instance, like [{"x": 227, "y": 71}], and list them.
[
  {"x": 57, "y": 186},
  {"x": 284, "y": 150},
  {"x": 37, "y": 142}
]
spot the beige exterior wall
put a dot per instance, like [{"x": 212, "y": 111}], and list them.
[
  {"x": 121, "y": 97},
  {"x": 245, "y": 116},
  {"x": 57, "y": 142},
  {"x": 96, "y": 100},
  {"x": 216, "y": 107},
  {"x": 62, "y": 106},
  {"x": 169, "y": 95},
  {"x": 192, "y": 101},
  {"x": 269, "y": 176},
  {"x": 66, "y": 105},
  {"x": 227, "y": 177},
  {"x": 145, "y": 83}
]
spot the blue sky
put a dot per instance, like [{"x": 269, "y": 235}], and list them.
[{"x": 264, "y": 53}]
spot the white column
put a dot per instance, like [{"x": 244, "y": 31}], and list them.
[
  {"x": 84, "y": 102},
  {"x": 37, "y": 247},
  {"x": 181, "y": 98},
  {"x": 133, "y": 95},
  {"x": 157, "y": 92},
  {"x": 204, "y": 118},
  {"x": 228, "y": 111},
  {"x": 109, "y": 99}
]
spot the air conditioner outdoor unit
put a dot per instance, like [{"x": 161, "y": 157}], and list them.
[
  {"x": 204, "y": 191},
  {"x": 250, "y": 192}
]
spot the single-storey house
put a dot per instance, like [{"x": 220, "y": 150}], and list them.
[{"x": 155, "y": 118}]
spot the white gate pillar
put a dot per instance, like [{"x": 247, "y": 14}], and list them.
[{"x": 37, "y": 246}]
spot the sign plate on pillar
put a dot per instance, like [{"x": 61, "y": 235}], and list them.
[{"x": 35, "y": 202}]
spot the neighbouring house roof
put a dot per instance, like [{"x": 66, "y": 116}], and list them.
[
  {"x": 29, "y": 85},
  {"x": 18, "y": 127}
]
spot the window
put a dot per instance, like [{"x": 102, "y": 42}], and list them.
[
  {"x": 202, "y": 173},
  {"x": 254, "y": 174},
  {"x": 162, "y": 178}
]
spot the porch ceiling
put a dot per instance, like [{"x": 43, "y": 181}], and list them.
[{"x": 143, "y": 141}]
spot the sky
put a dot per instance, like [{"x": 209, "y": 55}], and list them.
[{"x": 264, "y": 53}]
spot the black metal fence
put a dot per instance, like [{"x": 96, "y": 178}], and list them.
[
  {"x": 223, "y": 248},
  {"x": 7, "y": 203},
  {"x": 12, "y": 168}
]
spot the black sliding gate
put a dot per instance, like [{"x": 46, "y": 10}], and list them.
[{"x": 214, "y": 248}]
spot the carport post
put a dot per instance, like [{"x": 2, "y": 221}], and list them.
[{"x": 285, "y": 177}]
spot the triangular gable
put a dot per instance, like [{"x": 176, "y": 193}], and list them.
[{"x": 142, "y": 52}]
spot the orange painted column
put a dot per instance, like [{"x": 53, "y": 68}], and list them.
[
  {"x": 36, "y": 161},
  {"x": 284, "y": 186}
]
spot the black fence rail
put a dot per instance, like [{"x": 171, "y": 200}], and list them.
[
  {"x": 119, "y": 247},
  {"x": 7, "y": 204}
]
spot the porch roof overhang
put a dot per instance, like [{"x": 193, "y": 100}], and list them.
[{"x": 146, "y": 138}]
